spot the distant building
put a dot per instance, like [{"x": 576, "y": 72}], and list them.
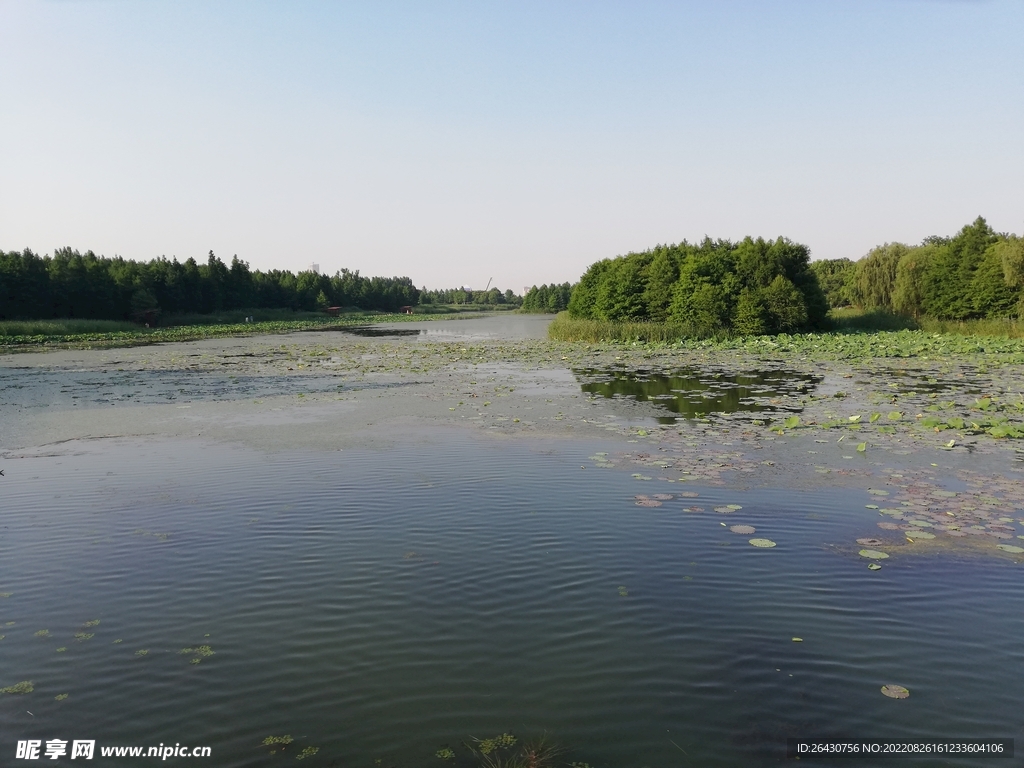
[{"x": 314, "y": 267}]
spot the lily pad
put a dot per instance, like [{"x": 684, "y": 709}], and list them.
[
  {"x": 912, "y": 535},
  {"x": 663, "y": 496},
  {"x": 895, "y": 691},
  {"x": 734, "y": 507},
  {"x": 874, "y": 567},
  {"x": 1011, "y": 548},
  {"x": 765, "y": 543},
  {"x": 748, "y": 529},
  {"x": 873, "y": 554},
  {"x": 648, "y": 503},
  {"x": 889, "y": 526}
]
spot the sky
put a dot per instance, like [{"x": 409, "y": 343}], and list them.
[{"x": 457, "y": 142}]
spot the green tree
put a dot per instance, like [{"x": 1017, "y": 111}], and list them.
[{"x": 876, "y": 276}]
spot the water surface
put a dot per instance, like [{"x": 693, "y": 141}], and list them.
[{"x": 379, "y": 605}]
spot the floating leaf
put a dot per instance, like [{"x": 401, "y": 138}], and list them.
[
  {"x": 798, "y": 639},
  {"x": 1011, "y": 548},
  {"x": 875, "y": 417},
  {"x": 874, "y": 567},
  {"x": 873, "y": 554},
  {"x": 854, "y": 419},
  {"x": 762, "y": 543},
  {"x": 791, "y": 422},
  {"x": 895, "y": 691},
  {"x": 733, "y": 507},
  {"x": 747, "y": 529},
  {"x": 861, "y": 447},
  {"x": 870, "y": 542},
  {"x": 895, "y": 416}
]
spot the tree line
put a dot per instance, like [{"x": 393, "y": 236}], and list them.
[
  {"x": 547, "y": 298},
  {"x": 492, "y": 297},
  {"x": 747, "y": 287},
  {"x": 976, "y": 273},
  {"x": 70, "y": 284}
]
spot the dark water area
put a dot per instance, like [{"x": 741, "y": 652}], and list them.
[
  {"x": 380, "y": 331},
  {"x": 380, "y": 605},
  {"x": 692, "y": 393}
]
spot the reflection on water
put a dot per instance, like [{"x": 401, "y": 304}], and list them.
[
  {"x": 380, "y": 331},
  {"x": 503, "y": 325},
  {"x": 692, "y": 392}
]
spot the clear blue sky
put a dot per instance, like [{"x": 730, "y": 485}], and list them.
[{"x": 453, "y": 142}]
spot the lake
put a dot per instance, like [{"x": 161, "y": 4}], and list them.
[{"x": 415, "y": 560}]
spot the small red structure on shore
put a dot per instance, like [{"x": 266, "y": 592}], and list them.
[{"x": 333, "y": 311}]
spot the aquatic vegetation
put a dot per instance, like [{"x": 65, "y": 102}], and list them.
[
  {"x": 895, "y": 691},
  {"x": 80, "y": 636},
  {"x": 43, "y": 633},
  {"x": 623, "y": 592},
  {"x": 199, "y": 653},
  {"x": 1011, "y": 548},
  {"x": 762, "y": 543},
  {"x": 874, "y": 567},
  {"x": 92, "y": 623},
  {"x": 274, "y": 740},
  {"x": 744, "y": 529},
  {"x": 646, "y": 501},
  {"x": 60, "y": 697},
  {"x": 505, "y": 740},
  {"x": 119, "y": 640},
  {"x": 307, "y": 752},
  {"x": 142, "y": 652},
  {"x": 25, "y": 686},
  {"x": 445, "y": 753},
  {"x": 61, "y": 649},
  {"x": 873, "y": 554}
]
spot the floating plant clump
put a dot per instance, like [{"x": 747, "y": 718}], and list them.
[
  {"x": 25, "y": 686},
  {"x": 762, "y": 543}
]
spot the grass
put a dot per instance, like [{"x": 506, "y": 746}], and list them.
[
  {"x": 565, "y": 328},
  {"x": 841, "y": 321},
  {"x": 67, "y": 327}
]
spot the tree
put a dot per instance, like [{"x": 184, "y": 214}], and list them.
[{"x": 876, "y": 276}]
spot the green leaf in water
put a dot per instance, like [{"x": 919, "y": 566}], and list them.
[
  {"x": 895, "y": 691},
  {"x": 791, "y": 422},
  {"x": 873, "y": 554},
  {"x": 875, "y": 417},
  {"x": 861, "y": 447},
  {"x": 762, "y": 543},
  {"x": 874, "y": 567}
]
